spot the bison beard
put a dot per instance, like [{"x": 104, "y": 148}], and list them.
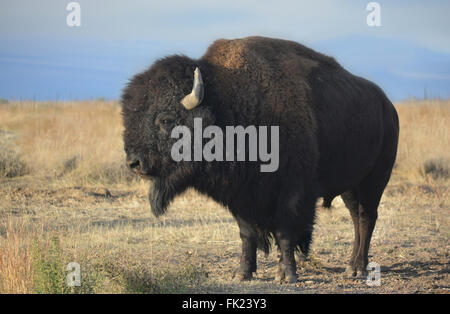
[
  {"x": 159, "y": 197},
  {"x": 338, "y": 135},
  {"x": 163, "y": 190}
]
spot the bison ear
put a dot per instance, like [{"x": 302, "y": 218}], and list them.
[{"x": 196, "y": 96}]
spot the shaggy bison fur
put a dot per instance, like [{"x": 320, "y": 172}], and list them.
[{"x": 338, "y": 135}]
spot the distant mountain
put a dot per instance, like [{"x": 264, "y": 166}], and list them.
[{"x": 58, "y": 69}]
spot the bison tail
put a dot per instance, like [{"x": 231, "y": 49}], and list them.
[
  {"x": 264, "y": 242},
  {"x": 305, "y": 243},
  {"x": 327, "y": 202}
]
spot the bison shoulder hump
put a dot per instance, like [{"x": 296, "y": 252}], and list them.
[{"x": 237, "y": 54}]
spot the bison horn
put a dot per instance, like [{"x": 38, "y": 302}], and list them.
[{"x": 196, "y": 96}]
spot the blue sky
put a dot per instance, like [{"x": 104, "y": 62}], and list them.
[{"x": 42, "y": 58}]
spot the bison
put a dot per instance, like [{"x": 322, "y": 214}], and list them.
[{"x": 338, "y": 135}]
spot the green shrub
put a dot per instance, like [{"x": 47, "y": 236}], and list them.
[
  {"x": 48, "y": 267},
  {"x": 50, "y": 273}
]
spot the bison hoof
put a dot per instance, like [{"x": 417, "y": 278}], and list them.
[
  {"x": 281, "y": 277},
  {"x": 350, "y": 272},
  {"x": 291, "y": 279},
  {"x": 361, "y": 273},
  {"x": 355, "y": 272},
  {"x": 242, "y": 276}
]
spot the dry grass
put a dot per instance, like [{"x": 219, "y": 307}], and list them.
[
  {"x": 16, "y": 275},
  {"x": 424, "y": 140},
  {"x": 73, "y": 186},
  {"x": 78, "y": 141}
]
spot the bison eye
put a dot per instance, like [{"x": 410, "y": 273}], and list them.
[{"x": 164, "y": 119}]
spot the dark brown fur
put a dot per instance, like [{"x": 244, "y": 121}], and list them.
[{"x": 338, "y": 135}]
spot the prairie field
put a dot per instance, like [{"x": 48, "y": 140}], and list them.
[{"x": 66, "y": 196}]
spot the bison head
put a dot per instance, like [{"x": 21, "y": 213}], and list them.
[{"x": 168, "y": 94}]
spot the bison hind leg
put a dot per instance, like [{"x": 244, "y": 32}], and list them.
[{"x": 327, "y": 200}]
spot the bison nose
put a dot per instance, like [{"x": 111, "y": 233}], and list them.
[{"x": 135, "y": 165}]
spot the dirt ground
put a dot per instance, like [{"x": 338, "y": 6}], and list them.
[{"x": 410, "y": 242}]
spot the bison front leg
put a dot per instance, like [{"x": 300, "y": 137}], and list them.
[
  {"x": 248, "y": 256},
  {"x": 287, "y": 267},
  {"x": 294, "y": 227}
]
